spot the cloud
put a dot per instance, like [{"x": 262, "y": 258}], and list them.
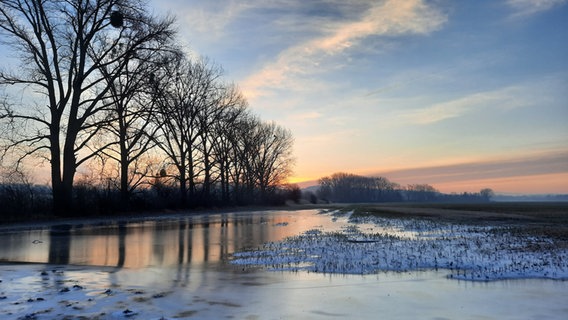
[
  {"x": 306, "y": 116},
  {"x": 312, "y": 56},
  {"x": 504, "y": 98},
  {"x": 551, "y": 162},
  {"x": 523, "y": 8},
  {"x": 211, "y": 17}
]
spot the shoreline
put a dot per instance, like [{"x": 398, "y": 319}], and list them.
[
  {"x": 540, "y": 214},
  {"x": 145, "y": 216}
]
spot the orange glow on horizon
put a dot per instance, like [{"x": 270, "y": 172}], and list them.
[
  {"x": 533, "y": 172},
  {"x": 532, "y": 184},
  {"x": 300, "y": 180},
  {"x": 529, "y": 184}
]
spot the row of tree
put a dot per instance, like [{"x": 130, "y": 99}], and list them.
[
  {"x": 104, "y": 85},
  {"x": 346, "y": 188}
]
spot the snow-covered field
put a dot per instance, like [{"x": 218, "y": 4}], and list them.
[{"x": 469, "y": 252}]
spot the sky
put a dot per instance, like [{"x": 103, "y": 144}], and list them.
[{"x": 461, "y": 95}]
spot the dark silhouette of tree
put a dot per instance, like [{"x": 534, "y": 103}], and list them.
[
  {"x": 345, "y": 187},
  {"x": 486, "y": 194},
  {"x": 132, "y": 132},
  {"x": 421, "y": 192},
  {"x": 271, "y": 157},
  {"x": 224, "y": 160},
  {"x": 264, "y": 158},
  {"x": 218, "y": 104},
  {"x": 63, "y": 46},
  {"x": 241, "y": 135},
  {"x": 187, "y": 91}
]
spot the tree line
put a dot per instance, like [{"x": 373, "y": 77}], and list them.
[
  {"x": 106, "y": 97},
  {"x": 348, "y": 188}
]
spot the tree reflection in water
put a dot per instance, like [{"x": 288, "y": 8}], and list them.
[
  {"x": 184, "y": 241},
  {"x": 59, "y": 244}
]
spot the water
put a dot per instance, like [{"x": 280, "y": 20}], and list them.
[
  {"x": 192, "y": 240},
  {"x": 179, "y": 267}
]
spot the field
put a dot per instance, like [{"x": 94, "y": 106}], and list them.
[
  {"x": 537, "y": 218},
  {"x": 484, "y": 242}
]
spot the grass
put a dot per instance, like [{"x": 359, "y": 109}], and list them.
[
  {"x": 531, "y": 212},
  {"x": 531, "y": 218},
  {"x": 474, "y": 241}
]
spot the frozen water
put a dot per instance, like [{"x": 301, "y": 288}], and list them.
[
  {"x": 205, "y": 293},
  {"x": 470, "y": 252},
  {"x": 165, "y": 269}
]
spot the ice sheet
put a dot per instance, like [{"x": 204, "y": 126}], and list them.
[{"x": 37, "y": 292}]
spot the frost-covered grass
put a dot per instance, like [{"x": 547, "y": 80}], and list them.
[{"x": 469, "y": 252}]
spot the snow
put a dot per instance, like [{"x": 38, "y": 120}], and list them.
[
  {"x": 206, "y": 293},
  {"x": 469, "y": 252}
]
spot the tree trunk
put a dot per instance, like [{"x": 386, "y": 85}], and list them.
[
  {"x": 124, "y": 163},
  {"x": 124, "y": 187},
  {"x": 182, "y": 184},
  {"x": 69, "y": 167},
  {"x": 61, "y": 194},
  {"x": 207, "y": 174}
]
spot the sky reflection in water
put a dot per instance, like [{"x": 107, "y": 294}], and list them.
[{"x": 180, "y": 241}]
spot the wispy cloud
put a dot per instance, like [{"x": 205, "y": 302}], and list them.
[
  {"x": 548, "y": 162},
  {"x": 211, "y": 17},
  {"x": 523, "y": 8},
  {"x": 388, "y": 18},
  {"x": 504, "y": 98},
  {"x": 306, "y": 116}
]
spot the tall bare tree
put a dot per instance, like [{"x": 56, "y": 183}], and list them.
[
  {"x": 260, "y": 157},
  {"x": 225, "y": 105},
  {"x": 270, "y": 156},
  {"x": 239, "y": 136},
  {"x": 134, "y": 96},
  {"x": 224, "y": 141},
  {"x": 63, "y": 45},
  {"x": 188, "y": 92}
]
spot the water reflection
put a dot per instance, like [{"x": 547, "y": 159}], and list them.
[
  {"x": 59, "y": 244},
  {"x": 203, "y": 239}
]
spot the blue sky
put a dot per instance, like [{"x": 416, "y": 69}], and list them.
[
  {"x": 458, "y": 94},
  {"x": 401, "y": 87}
]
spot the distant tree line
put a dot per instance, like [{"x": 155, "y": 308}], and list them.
[
  {"x": 345, "y": 187},
  {"x": 124, "y": 118},
  {"x": 350, "y": 188}
]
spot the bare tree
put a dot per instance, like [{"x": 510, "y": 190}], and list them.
[
  {"x": 63, "y": 46},
  {"x": 240, "y": 137},
  {"x": 271, "y": 156},
  {"x": 225, "y": 106},
  {"x": 346, "y": 187},
  {"x": 486, "y": 194},
  {"x": 134, "y": 96},
  {"x": 224, "y": 141},
  {"x": 421, "y": 192},
  {"x": 181, "y": 108}
]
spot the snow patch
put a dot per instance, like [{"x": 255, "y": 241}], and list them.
[{"x": 476, "y": 253}]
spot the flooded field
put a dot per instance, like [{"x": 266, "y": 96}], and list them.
[{"x": 188, "y": 267}]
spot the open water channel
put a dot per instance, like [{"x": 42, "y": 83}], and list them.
[{"x": 179, "y": 267}]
